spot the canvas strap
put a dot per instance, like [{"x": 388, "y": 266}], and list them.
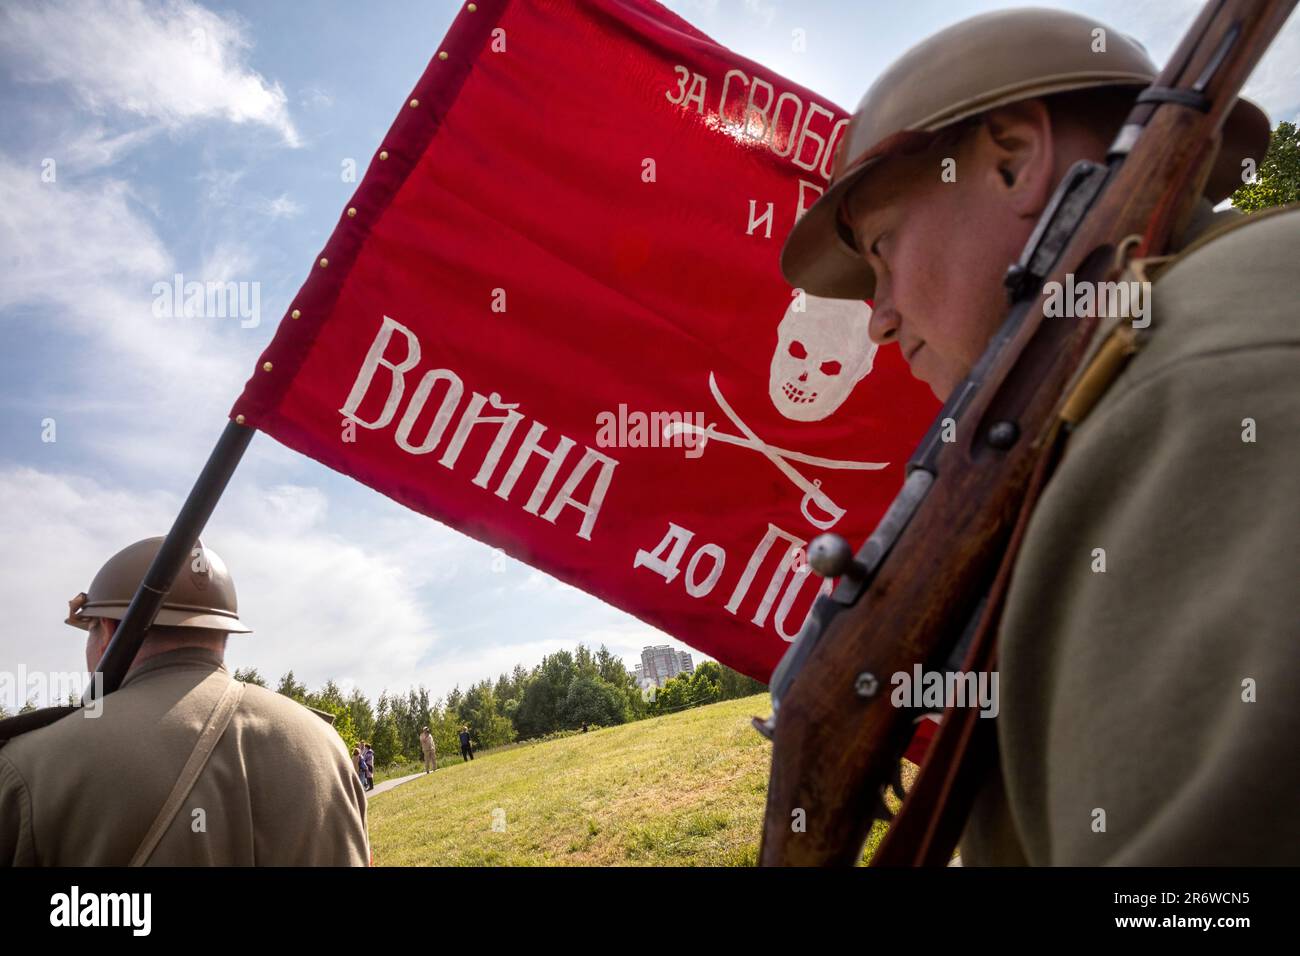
[{"x": 212, "y": 732}]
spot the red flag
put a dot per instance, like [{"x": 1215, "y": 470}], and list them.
[{"x": 569, "y": 236}]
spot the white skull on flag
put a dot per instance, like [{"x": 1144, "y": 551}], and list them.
[{"x": 822, "y": 352}]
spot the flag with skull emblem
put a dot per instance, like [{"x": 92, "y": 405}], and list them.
[{"x": 551, "y": 316}]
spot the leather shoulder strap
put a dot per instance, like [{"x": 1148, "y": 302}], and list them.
[{"x": 212, "y": 732}]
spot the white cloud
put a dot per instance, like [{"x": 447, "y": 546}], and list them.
[
  {"x": 94, "y": 146},
  {"x": 228, "y": 261},
  {"x": 83, "y": 255},
  {"x": 82, "y": 262},
  {"x": 57, "y": 531},
  {"x": 221, "y": 188},
  {"x": 315, "y": 98},
  {"x": 538, "y": 582},
  {"x": 1275, "y": 84},
  {"x": 281, "y": 207},
  {"x": 169, "y": 63},
  {"x": 57, "y": 239}
]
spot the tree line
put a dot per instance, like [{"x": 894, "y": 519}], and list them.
[{"x": 565, "y": 691}]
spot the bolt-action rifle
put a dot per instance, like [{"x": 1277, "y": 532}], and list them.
[{"x": 926, "y": 587}]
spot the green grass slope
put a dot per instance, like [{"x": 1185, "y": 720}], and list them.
[{"x": 686, "y": 789}]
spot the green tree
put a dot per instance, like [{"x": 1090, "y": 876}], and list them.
[
  {"x": 705, "y": 686},
  {"x": 417, "y": 714},
  {"x": 388, "y": 741},
  {"x": 609, "y": 668},
  {"x": 1277, "y": 181},
  {"x": 343, "y": 727},
  {"x": 590, "y": 700},
  {"x": 291, "y": 688},
  {"x": 486, "y": 726},
  {"x": 249, "y": 675},
  {"x": 613, "y": 672},
  {"x": 509, "y": 710},
  {"x": 330, "y": 699},
  {"x": 445, "y": 725},
  {"x": 541, "y": 707},
  {"x": 735, "y": 684},
  {"x": 454, "y": 701},
  {"x": 362, "y": 716},
  {"x": 504, "y": 691},
  {"x": 584, "y": 662}
]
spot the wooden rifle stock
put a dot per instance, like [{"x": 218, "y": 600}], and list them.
[{"x": 837, "y": 738}]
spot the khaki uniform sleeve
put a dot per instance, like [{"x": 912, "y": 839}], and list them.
[
  {"x": 16, "y": 846},
  {"x": 1160, "y": 696}
]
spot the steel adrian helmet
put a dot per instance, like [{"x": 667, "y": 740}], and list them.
[
  {"x": 203, "y": 594},
  {"x": 979, "y": 64}
]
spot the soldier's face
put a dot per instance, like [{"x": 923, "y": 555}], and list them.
[{"x": 939, "y": 229}]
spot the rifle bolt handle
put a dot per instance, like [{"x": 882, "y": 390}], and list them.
[{"x": 831, "y": 557}]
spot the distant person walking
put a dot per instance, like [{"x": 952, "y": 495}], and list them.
[
  {"x": 430, "y": 750},
  {"x": 359, "y": 762},
  {"x": 466, "y": 748},
  {"x": 368, "y": 754}
]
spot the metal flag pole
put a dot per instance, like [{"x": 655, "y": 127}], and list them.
[{"x": 175, "y": 551}]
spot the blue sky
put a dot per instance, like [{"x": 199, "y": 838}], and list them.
[{"x": 209, "y": 140}]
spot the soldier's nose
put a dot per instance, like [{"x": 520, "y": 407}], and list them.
[{"x": 884, "y": 325}]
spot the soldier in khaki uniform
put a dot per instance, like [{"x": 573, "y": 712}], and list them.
[
  {"x": 1148, "y": 711},
  {"x": 276, "y": 788}
]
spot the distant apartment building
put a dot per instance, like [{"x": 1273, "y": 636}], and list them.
[{"x": 661, "y": 664}]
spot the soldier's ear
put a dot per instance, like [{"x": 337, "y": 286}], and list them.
[
  {"x": 107, "y": 628},
  {"x": 1018, "y": 141}
]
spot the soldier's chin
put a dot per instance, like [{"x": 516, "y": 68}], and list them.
[{"x": 925, "y": 369}]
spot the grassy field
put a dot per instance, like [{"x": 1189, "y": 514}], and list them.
[{"x": 683, "y": 790}]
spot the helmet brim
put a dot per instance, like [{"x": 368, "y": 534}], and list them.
[{"x": 168, "y": 617}]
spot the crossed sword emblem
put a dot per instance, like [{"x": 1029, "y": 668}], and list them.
[{"x": 813, "y": 496}]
